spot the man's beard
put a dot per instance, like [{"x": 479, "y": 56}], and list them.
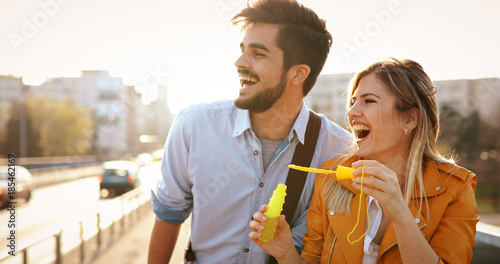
[{"x": 263, "y": 100}]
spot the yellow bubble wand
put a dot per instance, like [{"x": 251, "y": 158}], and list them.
[{"x": 342, "y": 173}]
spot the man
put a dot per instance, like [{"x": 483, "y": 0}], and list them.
[{"x": 223, "y": 160}]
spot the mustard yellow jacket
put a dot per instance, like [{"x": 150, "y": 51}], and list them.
[{"x": 450, "y": 229}]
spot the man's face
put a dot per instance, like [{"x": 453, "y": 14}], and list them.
[{"x": 260, "y": 67}]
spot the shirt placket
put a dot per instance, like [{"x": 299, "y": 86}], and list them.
[{"x": 256, "y": 155}]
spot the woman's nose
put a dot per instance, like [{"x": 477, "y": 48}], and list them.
[{"x": 353, "y": 111}]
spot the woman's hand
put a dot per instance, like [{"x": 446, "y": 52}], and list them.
[
  {"x": 382, "y": 184},
  {"x": 281, "y": 245}
]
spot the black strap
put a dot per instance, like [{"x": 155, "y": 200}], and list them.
[
  {"x": 296, "y": 179},
  {"x": 302, "y": 157}
]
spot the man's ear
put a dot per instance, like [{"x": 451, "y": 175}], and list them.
[
  {"x": 299, "y": 73},
  {"x": 412, "y": 118}
]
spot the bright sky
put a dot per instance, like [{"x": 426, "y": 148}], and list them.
[{"x": 190, "y": 47}]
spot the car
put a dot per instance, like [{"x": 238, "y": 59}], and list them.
[
  {"x": 118, "y": 177},
  {"x": 19, "y": 183}
]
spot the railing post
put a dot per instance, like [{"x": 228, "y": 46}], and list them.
[
  {"x": 25, "y": 256},
  {"x": 122, "y": 220},
  {"x": 58, "y": 248},
  {"x": 99, "y": 233},
  {"x": 82, "y": 243}
]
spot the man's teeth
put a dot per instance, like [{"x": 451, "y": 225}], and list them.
[{"x": 248, "y": 79}]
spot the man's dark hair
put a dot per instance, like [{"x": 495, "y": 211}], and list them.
[{"x": 303, "y": 36}]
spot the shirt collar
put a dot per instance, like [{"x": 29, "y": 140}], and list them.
[
  {"x": 242, "y": 123},
  {"x": 300, "y": 124}
]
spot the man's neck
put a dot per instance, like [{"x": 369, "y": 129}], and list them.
[{"x": 276, "y": 122}]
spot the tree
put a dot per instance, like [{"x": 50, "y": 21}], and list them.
[
  {"x": 65, "y": 128},
  {"x": 11, "y": 135}
]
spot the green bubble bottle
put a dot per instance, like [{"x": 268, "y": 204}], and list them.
[{"x": 273, "y": 213}]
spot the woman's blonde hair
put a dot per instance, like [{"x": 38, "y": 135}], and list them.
[{"x": 412, "y": 88}]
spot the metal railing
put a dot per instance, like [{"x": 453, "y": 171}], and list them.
[
  {"x": 488, "y": 234},
  {"x": 133, "y": 204}
]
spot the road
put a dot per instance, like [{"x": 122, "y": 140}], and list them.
[{"x": 63, "y": 206}]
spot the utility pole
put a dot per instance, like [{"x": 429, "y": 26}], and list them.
[{"x": 22, "y": 123}]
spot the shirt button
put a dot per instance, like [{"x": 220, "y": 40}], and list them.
[
  {"x": 246, "y": 250},
  {"x": 261, "y": 184},
  {"x": 437, "y": 188},
  {"x": 256, "y": 152},
  {"x": 417, "y": 220}
]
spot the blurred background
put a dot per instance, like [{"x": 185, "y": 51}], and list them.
[{"x": 86, "y": 82}]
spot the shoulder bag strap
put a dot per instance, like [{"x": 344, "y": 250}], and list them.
[{"x": 302, "y": 157}]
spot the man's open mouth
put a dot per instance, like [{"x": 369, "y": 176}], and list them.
[{"x": 247, "y": 80}]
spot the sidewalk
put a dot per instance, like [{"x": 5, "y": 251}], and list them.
[{"x": 132, "y": 247}]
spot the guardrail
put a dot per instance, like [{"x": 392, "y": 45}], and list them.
[
  {"x": 47, "y": 176},
  {"x": 52, "y": 162},
  {"x": 133, "y": 205},
  {"x": 488, "y": 234}
]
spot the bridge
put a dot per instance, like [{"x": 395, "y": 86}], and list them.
[{"x": 58, "y": 228}]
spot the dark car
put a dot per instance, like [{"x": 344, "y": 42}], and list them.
[
  {"x": 118, "y": 177},
  {"x": 19, "y": 181}
]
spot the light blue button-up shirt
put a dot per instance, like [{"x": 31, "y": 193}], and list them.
[{"x": 212, "y": 167}]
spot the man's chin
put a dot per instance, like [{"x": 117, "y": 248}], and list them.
[{"x": 250, "y": 105}]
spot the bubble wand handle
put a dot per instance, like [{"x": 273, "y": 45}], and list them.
[{"x": 273, "y": 213}]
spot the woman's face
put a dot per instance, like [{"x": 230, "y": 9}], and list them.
[{"x": 378, "y": 126}]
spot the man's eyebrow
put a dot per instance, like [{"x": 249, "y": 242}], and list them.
[{"x": 255, "y": 46}]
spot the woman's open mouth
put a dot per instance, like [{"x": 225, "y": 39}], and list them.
[{"x": 361, "y": 132}]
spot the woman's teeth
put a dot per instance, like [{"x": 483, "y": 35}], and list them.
[{"x": 361, "y": 131}]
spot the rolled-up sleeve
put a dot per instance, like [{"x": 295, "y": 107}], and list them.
[{"x": 172, "y": 198}]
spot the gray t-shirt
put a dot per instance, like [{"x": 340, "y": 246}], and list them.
[{"x": 269, "y": 148}]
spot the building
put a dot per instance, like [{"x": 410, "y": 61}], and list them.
[
  {"x": 328, "y": 96},
  {"x": 11, "y": 89},
  {"x": 469, "y": 95}
]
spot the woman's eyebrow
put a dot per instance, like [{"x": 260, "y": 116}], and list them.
[{"x": 368, "y": 94}]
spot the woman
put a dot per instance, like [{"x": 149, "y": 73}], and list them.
[{"x": 421, "y": 206}]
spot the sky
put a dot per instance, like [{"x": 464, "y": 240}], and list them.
[{"x": 190, "y": 48}]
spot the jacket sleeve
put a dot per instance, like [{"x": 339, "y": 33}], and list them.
[
  {"x": 453, "y": 239},
  {"x": 316, "y": 218}
]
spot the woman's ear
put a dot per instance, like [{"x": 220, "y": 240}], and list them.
[
  {"x": 300, "y": 73},
  {"x": 412, "y": 117}
]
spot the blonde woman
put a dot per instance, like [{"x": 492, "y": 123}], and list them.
[{"x": 416, "y": 206}]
